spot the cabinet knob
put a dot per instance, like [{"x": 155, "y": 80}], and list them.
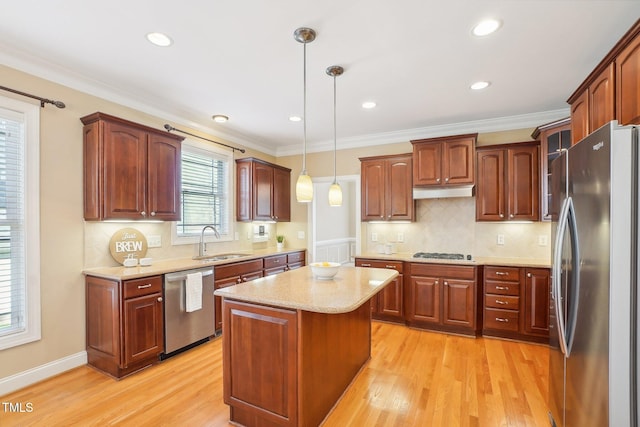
[
  {"x": 153, "y": 214},
  {"x": 511, "y": 216},
  {"x": 159, "y": 299},
  {"x": 528, "y": 274},
  {"x": 437, "y": 179},
  {"x": 501, "y": 216},
  {"x": 446, "y": 180},
  {"x": 446, "y": 283},
  {"x": 436, "y": 282},
  {"x": 143, "y": 213},
  {"x": 239, "y": 280}
]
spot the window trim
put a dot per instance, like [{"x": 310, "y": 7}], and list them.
[
  {"x": 30, "y": 113},
  {"x": 198, "y": 146}
]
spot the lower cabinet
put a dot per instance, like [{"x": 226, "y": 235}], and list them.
[
  {"x": 443, "y": 297},
  {"x": 516, "y": 302},
  {"x": 125, "y": 324},
  {"x": 388, "y": 304}
]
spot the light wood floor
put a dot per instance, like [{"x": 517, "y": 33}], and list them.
[{"x": 414, "y": 378}]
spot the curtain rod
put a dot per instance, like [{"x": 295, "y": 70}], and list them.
[
  {"x": 170, "y": 128},
  {"x": 58, "y": 104}
]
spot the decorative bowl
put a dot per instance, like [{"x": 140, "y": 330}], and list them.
[{"x": 324, "y": 270}]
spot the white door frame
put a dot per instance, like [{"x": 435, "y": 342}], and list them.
[{"x": 311, "y": 213}]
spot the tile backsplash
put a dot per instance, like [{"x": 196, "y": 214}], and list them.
[{"x": 449, "y": 225}]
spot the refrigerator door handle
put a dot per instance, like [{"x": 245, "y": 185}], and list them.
[{"x": 557, "y": 274}]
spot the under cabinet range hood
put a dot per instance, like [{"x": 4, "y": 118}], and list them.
[{"x": 442, "y": 192}]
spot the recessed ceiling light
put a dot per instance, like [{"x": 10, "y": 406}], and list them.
[
  {"x": 486, "y": 27},
  {"x": 219, "y": 118},
  {"x": 159, "y": 39},
  {"x": 295, "y": 118},
  {"x": 369, "y": 105},
  {"x": 480, "y": 85}
]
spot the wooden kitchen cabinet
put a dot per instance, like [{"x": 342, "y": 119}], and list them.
[
  {"x": 387, "y": 304},
  {"x": 444, "y": 161},
  {"x": 595, "y": 106},
  {"x": 628, "y": 82},
  {"x": 263, "y": 191},
  {"x": 554, "y": 137},
  {"x": 516, "y": 303},
  {"x": 125, "y": 324},
  {"x": 280, "y": 263},
  {"x": 233, "y": 274},
  {"x": 386, "y": 188},
  {"x": 130, "y": 171},
  {"x": 508, "y": 187},
  {"x": 443, "y": 297}
]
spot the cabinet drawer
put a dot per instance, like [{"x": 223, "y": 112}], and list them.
[
  {"x": 502, "y": 273},
  {"x": 506, "y": 320},
  {"x": 275, "y": 261},
  {"x": 500, "y": 287},
  {"x": 376, "y": 263},
  {"x": 443, "y": 270},
  {"x": 502, "y": 302},
  {"x": 295, "y": 257},
  {"x": 237, "y": 268},
  {"x": 142, "y": 286}
]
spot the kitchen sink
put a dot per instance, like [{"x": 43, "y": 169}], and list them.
[{"x": 219, "y": 257}]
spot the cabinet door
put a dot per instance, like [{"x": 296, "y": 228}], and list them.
[
  {"x": 281, "y": 195},
  {"x": 536, "y": 301},
  {"x": 458, "y": 162},
  {"x": 143, "y": 328},
  {"x": 390, "y": 299},
  {"x": 628, "y": 84},
  {"x": 373, "y": 190},
  {"x": 490, "y": 198},
  {"x": 244, "y": 201},
  {"x": 125, "y": 172},
  {"x": 428, "y": 164},
  {"x": 425, "y": 301},
  {"x": 552, "y": 141},
  {"x": 103, "y": 321},
  {"x": 523, "y": 183},
  {"x": 262, "y": 192},
  {"x": 601, "y": 99},
  {"x": 459, "y": 307},
  {"x": 399, "y": 192},
  {"x": 580, "y": 118},
  {"x": 164, "y": 178}
]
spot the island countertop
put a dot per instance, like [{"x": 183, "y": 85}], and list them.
[{"x": 299, "y": 290}]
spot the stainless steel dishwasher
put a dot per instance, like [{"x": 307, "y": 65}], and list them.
[{"x": 182, "y": 328}]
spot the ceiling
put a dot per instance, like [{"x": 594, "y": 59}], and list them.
[{"x": 414, "y": 58}]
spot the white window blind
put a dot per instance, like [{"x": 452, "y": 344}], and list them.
[
  {"x": 205, "y": 192},
  {"x": 19, "y": 232}
]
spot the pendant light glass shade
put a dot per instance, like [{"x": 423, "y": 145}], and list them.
[
  {"x": 335, "y": 192},
  {"x": 304, "y": 186}
]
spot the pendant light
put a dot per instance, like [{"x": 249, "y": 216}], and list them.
[
  {"x": 304, "y": 186},
  {"x": 335, "y": 192}
]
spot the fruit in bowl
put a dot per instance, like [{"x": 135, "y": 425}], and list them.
[{"x": 324, "y": 270}]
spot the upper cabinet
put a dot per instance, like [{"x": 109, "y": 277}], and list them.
[
  {"x": 611, "y": 91},
  {"x": 508, "y": 187},
  {"x": 386, "y": 188},
  {"x": 131, "y": 171},
  {"x": 444, "y": 161},
  {"x": 554, "y": 137},
  {"x": 263, "y": 191}
]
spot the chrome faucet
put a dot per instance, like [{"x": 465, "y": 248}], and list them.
[{"x": 203, "y": 247}]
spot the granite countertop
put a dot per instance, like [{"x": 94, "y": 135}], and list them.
[
  {"x": 178, "y": 264},
  {"x": 498, "y": 261},
  {"x": 299, "y": 290}
]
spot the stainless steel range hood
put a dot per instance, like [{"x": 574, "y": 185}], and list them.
[{"x": 442, "y": 192}]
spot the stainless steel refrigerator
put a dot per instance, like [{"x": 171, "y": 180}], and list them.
[{"x": 593, "y": 358}]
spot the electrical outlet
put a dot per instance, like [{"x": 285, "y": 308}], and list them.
[
  {"x": 374, "y": 237},
  {"x": 301, "y": 235},
  {"x": 500, "y": 239},
  {"x": 542, "y": 240},
  {"x": 154, "y": 241},
  {"x": 400, "y": 237}
]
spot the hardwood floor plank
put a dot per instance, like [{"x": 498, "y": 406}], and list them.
[{"x": 414, "y": 378}]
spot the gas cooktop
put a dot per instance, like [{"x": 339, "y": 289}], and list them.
[{"x": 438, "y": 255}]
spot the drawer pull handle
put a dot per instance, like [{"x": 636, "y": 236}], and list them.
[
  {"x": 390, "y": 266},
  {"x": 502, "y": 319},
  {"x": 148, "y": 285},
  {"x": 502, "y": 288},
  {"x": 366, "y": 265},
  {"x": 159, "y": 299},
  {"x": 501, "y": 273},
  {"x": 501, "y": 302}
]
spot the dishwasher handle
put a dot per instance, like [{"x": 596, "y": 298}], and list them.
[{"x": 182, "y": 275}]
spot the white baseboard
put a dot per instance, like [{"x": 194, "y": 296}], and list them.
[{"x": 39, "y": 373}]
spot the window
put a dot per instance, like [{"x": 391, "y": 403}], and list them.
[
  {"x": 205, "y": 192},
  {"x": 19, "y": 223}
]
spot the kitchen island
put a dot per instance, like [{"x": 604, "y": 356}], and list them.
[{"x": 292, "y": 344}]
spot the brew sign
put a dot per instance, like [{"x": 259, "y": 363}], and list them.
[{"x": 128, "y": 243}]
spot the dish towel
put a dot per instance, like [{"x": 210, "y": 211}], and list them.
[{"x": 193, "y": 290}]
